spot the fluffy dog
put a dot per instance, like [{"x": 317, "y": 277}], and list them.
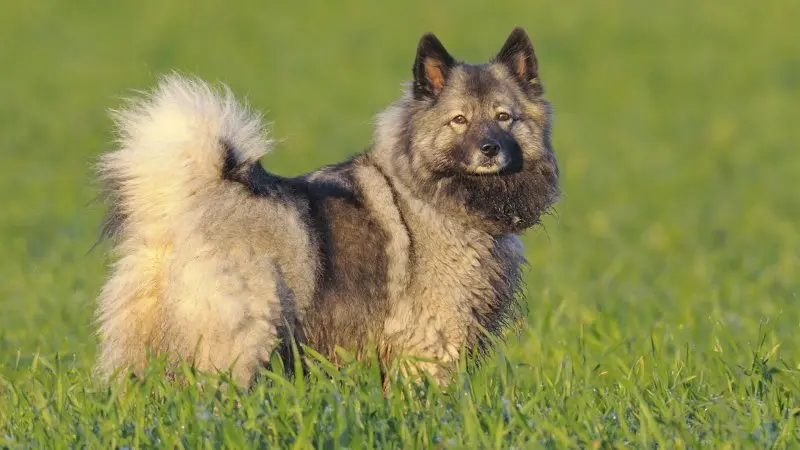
[{"x": 408, "y": 249}]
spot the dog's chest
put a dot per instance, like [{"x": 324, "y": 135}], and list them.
[
  {"x": 452, "y": 273},
  {"x": 451, "y": 268}
]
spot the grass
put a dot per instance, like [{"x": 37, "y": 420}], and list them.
[{"x": 663, "y": 296}]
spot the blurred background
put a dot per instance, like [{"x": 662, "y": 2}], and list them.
[{"x": 674, "y": 127}]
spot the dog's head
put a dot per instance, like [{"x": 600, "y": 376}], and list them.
[{"x": 475, "y": 139}]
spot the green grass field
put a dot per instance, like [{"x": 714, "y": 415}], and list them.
[{"x": 664, "y": 301}]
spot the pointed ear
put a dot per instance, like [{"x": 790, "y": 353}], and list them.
[
  {"x": 517, "y": 54},
  {"x": 431, "y": 67}
]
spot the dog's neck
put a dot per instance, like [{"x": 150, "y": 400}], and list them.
[{"x": 421, "y": 210}]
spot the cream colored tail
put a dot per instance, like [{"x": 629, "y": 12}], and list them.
[
  {"x": 173, "y": 172},
  {"x": 174, "y": 143}
]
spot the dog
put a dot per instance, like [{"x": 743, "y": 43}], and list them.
[{"x": 408, "y": 249}]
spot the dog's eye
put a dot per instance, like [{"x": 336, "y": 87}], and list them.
[
  {"x": 459, "y": 120},
  {"x": 503, "y": 117}
]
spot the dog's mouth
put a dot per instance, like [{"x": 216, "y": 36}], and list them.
[
  {"x": 494, "y": 165},
  {"x": 488, "y": 171},
  {"x": 508, "y": 167}
]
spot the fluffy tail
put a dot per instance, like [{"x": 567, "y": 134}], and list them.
[
  {"x": 174, "y": 143},
  {"x": 188, "y": 270}
]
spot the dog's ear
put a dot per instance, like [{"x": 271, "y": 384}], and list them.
[
  {"x": 517, "y": 54},
  {"x": 431, "y": 67}
]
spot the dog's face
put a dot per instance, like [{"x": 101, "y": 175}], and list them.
[{"x": 477, "y": 137}]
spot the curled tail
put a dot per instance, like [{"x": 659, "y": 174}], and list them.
[
  {"x": 173, "y": 143},
  {"x": 191, "y": 279}
]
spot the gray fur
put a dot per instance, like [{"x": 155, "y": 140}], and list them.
[{"x": 409, "y": 249}]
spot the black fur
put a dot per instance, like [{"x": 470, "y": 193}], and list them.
[
  {"x": 429, "y": 48},
  {"x": 251, "y": 175},
  {"x": 508, "y": 203},
  {"x": 350, "y": 302},
  {"x": 518, "y": 48}
]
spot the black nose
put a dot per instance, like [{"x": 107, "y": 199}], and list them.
[{"x": 490, "y": 148}]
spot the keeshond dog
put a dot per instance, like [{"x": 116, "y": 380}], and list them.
[{"x": 408, "y": 249}]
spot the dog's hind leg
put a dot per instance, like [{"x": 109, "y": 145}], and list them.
[
  {"x": 201, "y": 230},
  {"x": 215, "y": 308}
]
